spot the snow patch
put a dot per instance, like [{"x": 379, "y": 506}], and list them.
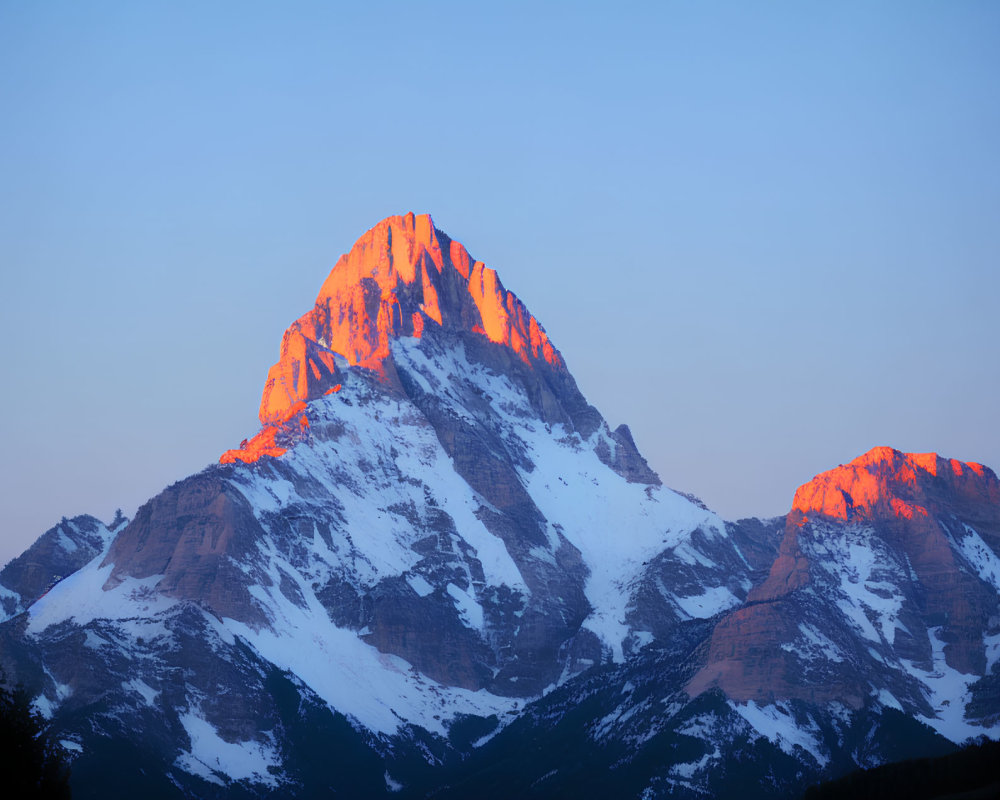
[
  {"x": 992, "y": 645},
  {"x": 776, "y": 724},
  {"x": 419, "y": 584},
  {"x": 392, "y": 785},
  {"x": 67, "y": 544},
  {"x": 980, "y": 557},
  {"x": 812, "y": 644},
  {"x": 211, "y": 755},
  {"x": 947, "y": 691},
  {"x": 143, "y": 689},
  {"x": 44, "y": 706},
  {"x": 95, "y": 642},
  {"x": 83, "y": 598},
  {"x": 469, "y": 610},
  {"x": 714, "y": 600},
  {"x": 690, "y": 769},
  {"x": 888, "y": 700}
]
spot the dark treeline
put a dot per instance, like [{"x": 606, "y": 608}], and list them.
[
  {"x": 31, "y": 765},
  {"x": 967, "y": 774}
]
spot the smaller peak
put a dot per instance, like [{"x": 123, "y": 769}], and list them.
[
  {"x": 885, "y": 482},
  {"x": 931, "y": 463}
]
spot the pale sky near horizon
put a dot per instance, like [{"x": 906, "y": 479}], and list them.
[{"x": 765, "y": 235}]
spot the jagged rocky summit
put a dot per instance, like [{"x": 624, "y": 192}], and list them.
[
  {"x": 436, "y": 556},
  {"x": 401, "y": 275}
]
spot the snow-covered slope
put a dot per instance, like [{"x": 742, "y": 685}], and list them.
[{"x": 58, "y": 552}]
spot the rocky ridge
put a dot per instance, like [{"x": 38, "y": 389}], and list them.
[{"x": 58, "y": 552}]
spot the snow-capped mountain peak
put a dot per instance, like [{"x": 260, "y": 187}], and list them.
[
  {"x": 435, "y": 547},
  {"x": 433, "y": 522}
]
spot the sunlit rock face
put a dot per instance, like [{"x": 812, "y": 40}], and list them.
[
  {"x": 402, "y": 275},
  {"x": 887, "y": 485},
  {"x": 400, "y": 278},
  {"x": 887, "y": 575}
]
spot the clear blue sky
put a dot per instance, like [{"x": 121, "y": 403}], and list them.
[{"x": 766, "y": 235}]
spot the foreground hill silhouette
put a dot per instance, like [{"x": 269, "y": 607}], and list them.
[{"x": 969, "y": 774}]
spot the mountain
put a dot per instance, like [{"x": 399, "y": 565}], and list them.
[
  {"x": 432, "y": 524},
  {"x": 437, "y": 569},
  {"x": 889, "y": 567},
  {"x": 874, "y": 636}
]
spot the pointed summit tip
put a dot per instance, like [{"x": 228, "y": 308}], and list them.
[{"x": 401, "y": 278}]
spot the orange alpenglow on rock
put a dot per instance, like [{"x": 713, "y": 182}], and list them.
[
  {"x": 885, "y": 483},
  {"x": 916, "y": 502},
  {"x": 400, "y": 277},
  {"x": 264, "y": 443},
  {"x": 905, "y": 493}
]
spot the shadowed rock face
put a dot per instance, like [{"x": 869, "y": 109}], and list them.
[
  {"x": 194, "y": 534},
  {"x": 915, "y": 508}
]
